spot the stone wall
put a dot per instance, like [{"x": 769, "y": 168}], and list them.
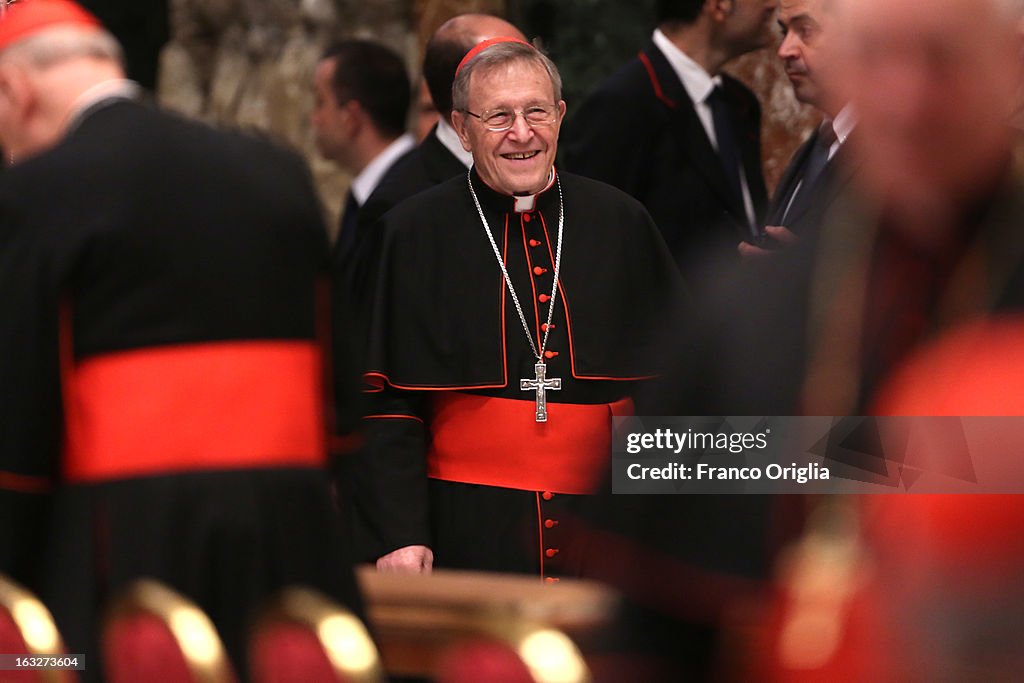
[
  {"x": 250, "y": 63},
  {"x": 785, "y": 121}
]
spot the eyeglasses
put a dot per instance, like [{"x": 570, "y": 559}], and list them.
[{"x": 499, "y": 120}]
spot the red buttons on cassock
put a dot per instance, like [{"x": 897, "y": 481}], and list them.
[
  {"x": 547, "y": 495},
  {"x": 537, "y": 270},
  {"x": 550, "y": 523},
  {"x": 526, "y": 217},
  {"x": 543, "y": 298},
  {"x": 550, "y": 354},
  {"x": 535, "y": 243},
  {"x": 551, "y": 552},
  {"x": 544, "y": 326},
  {"x": 551, "y": 579}
]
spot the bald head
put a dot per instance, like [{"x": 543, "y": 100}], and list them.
[
  {"x": 934, "y": 83},
  {"x": 449, "y": 45},
  {"x": 41, "y": 79},
  {"x": 470, "y": 29}
]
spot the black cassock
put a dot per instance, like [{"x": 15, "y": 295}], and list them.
[
  {"x": 455, "y": 459},
  {"x": 160, "y": 373}
]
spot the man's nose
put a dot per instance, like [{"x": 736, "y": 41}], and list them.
[
  {"x": 520, "y": 128},
  {"x": 787, "y": 48}
]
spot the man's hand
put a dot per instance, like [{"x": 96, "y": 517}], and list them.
[
  {"x": 777, "y": 233},
  {"x": 412, "y": 559}
]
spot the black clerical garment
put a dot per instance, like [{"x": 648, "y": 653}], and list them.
[
  {"x": 161, "y": 378},
  {"x": 455, "y": 459}
]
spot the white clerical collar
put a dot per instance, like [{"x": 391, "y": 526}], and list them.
[
  {"x": 366, "y": 182},
  {"x": 99, "y": 95},
  {"x": 450, "y": 139},
  {"x": 697, "y": 82},
  {"x": 525, "y": 203}
]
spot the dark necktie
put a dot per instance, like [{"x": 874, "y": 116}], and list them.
[
  {"x": 349, "y": 221},
  {"x": 728, "y": 147},
  {"x": 817, "y": 159}
]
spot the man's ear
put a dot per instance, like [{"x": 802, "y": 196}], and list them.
[
  {"x": 459, "y": 123},
  {"x": 17, "y": 94},
  {"x": 355, "y": 117},
  {"x": 722, "y": 9}
]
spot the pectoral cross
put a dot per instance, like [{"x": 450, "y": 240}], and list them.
[{"x": 541, "y": 385}]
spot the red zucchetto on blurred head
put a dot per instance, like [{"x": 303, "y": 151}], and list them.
[{"x": 27, "y": 17}]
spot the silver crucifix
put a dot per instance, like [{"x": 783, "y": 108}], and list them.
[{"x": 541, "y": 386}]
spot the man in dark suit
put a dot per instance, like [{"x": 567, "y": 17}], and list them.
[
  {"x": 362, "y": 104},
  {"x": 819, "y": 170},
  {"x": 160, "y": 367},
  {"x": 679, "y": 135}
]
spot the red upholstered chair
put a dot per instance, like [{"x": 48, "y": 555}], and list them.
[
  {"x": 303, "y": 636},
  {"x": 26, "y": 627},
  {"x": 152, "y": 633},
  {"x": 513, "y": 651},
  {"x": 454, "y": 626}
]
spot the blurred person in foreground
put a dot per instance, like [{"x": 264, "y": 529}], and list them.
[
  {"x": 161, "y": 378},
  {"x": 926, "y": 241}
]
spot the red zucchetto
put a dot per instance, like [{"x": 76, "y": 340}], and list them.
[
  {"x": 27, "y": 17},
  {"x": 483, "y": 45}
]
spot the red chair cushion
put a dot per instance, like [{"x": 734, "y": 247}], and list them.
[
  {"x": 11, "y": 642},
  {"x": 141, "y": 648},
  {"x": 289, "y": 653},
  {"x": 482, "y": 660}
]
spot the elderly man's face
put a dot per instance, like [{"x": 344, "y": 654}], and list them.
[
  {"x": 933, "y": 84},
  {"x": 804, "y": 36},
  {"x": 518, "y": 160}
]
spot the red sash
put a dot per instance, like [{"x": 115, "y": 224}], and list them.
[
  {"x": 497, "y": 442},
  {"x": 217, "y": 405}
]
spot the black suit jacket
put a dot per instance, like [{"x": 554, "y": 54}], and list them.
[
  {"x": 426, "y": 165},
  {"x": 640, "y": 132},
  {"x": 807, "y": 211},
  {"x": 368, "y": 214}
]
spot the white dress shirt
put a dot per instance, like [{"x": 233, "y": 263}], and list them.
[
  {"x": 450, "y": 139},
  {"x": 366, "y": 182}
]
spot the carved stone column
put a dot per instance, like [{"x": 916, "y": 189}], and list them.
[{"x": 250, "y": 63}]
